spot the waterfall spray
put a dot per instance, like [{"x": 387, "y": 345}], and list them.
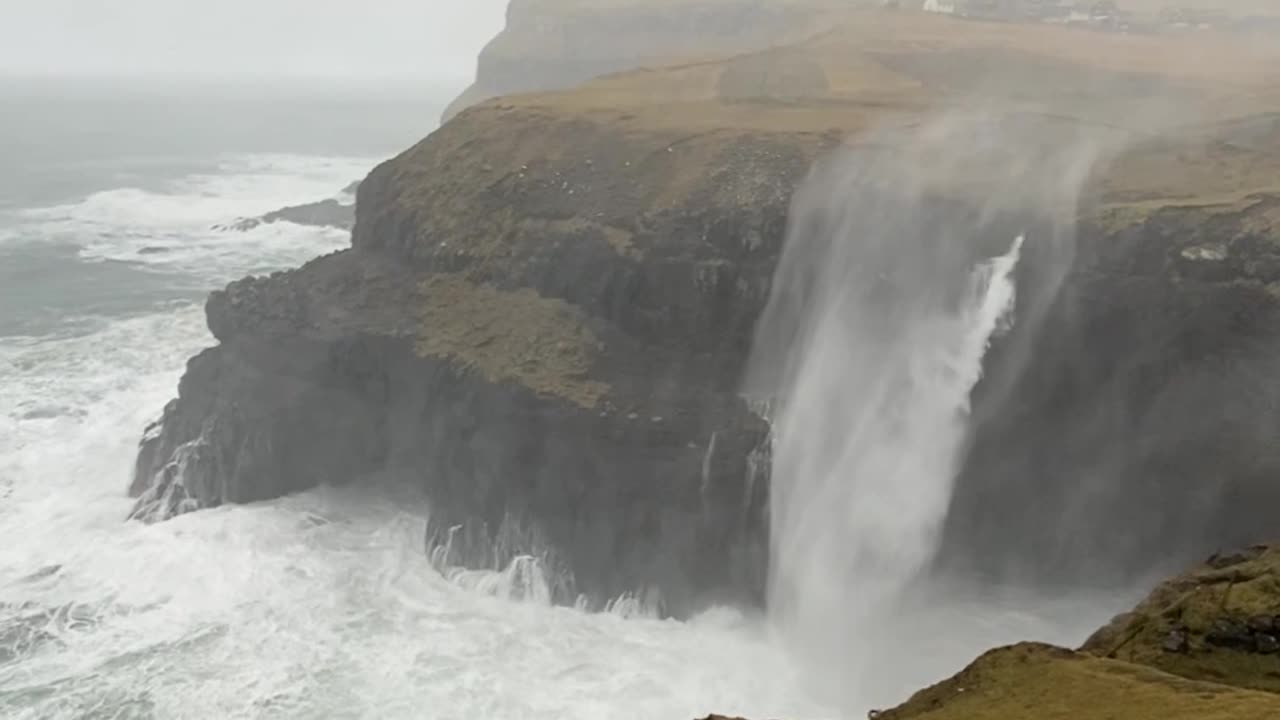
[{"x": 898, "y": 271}]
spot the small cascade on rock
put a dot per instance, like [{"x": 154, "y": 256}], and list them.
[
  {"x": 163, "y": 493},
  {"x": 514, "y": 562}
]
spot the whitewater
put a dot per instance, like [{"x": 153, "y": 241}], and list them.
[
  {"x": 322, "y": 605},
  {"x": 327, "y": 604}
]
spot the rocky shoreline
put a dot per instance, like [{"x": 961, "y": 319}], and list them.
[
  {"x": 548, "y": 306},
  {"x": 339, "y": 212}
]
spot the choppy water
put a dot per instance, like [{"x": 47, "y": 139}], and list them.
[{"x": 322, "y": 605}]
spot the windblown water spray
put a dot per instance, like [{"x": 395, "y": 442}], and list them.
[{"x": 898, "y": 271}]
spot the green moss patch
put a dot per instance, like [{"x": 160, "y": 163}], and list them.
[{"x": 510, "y": 336}]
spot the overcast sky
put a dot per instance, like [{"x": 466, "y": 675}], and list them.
[{"x": 433, "y": 41}]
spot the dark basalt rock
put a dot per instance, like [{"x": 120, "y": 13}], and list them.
[
  {"x": 1231, "y": 634},
  {"x": 649, "y": 490},
  {"x": 1136, "y": 427},
  {"x": 1266, "y": 644},
  {"x": 1221, "y": 561}
]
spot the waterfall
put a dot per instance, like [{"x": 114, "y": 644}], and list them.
[
  {"x": 897, "y": 273},
  {"x": 869, "y": 438}
]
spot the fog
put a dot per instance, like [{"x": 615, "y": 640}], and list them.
[{"x": 430, "y": 42}]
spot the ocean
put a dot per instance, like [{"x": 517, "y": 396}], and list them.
[{"x": 321, "y": 605}]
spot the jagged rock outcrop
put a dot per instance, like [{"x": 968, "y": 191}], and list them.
[
  {"x": 554, "y": 44},
  {"x": 548, "y": 305}
]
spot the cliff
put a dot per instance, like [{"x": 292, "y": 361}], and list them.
[
  {"x": 547, "y": 307},
  {"x": 556, "y": 44}
]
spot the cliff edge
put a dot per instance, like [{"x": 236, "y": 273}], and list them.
[
  {"x": 548, "y": 304},
  {"x": 556, "y": 44}
]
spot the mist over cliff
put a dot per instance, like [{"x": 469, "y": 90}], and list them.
[
  {"x": 382, "y": 41},
  {"x": 773, "y": 358}
]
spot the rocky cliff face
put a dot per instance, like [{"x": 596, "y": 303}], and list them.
[
  {"x": 548, "y": 304},
  {"x": 1158, "y": 442},
  {"x": 561, "y": 358}
]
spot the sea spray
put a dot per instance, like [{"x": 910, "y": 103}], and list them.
[{"x": 897, "y": 273}]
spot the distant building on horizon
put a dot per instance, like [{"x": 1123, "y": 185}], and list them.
[{"x": 1035, "y": 10}]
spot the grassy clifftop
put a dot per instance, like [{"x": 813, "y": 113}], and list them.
[{"x": 1194, "y": 107}]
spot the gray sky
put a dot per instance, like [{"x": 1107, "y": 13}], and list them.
[{"x": 435, "y": 41}]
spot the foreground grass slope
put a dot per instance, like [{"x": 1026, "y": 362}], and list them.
[
  {"x": 1040, "y": 682},
  {"x": 1202, "y": 646}
]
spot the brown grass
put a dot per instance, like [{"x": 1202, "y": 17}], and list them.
[
  {"x": 1173, "y": 94},
  {"x": 1038, "y": 682},
  {"x": 509, "y": 336}
]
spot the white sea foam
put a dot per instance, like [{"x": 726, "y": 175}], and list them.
[
  {"x": 322, "y": 605},
  {"x": 174, "y": 228}
]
